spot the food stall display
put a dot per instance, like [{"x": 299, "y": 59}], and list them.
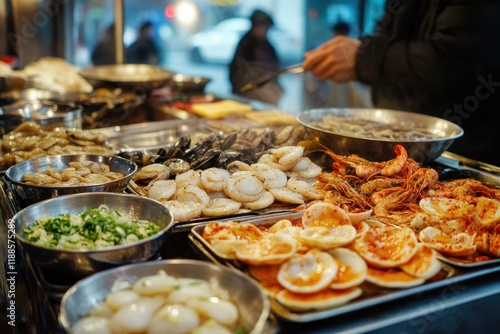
[{"x": 324, "y": 233}]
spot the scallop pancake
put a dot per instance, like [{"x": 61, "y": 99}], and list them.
[
  {"x": 423, "y": 264},
  {"x": 326, "y": 298},
  {"x": 386, "y": 247},
  {"x": 392, "y": 278}
]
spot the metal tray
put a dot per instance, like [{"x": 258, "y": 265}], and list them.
[
  {"x": 372, "y": 295},
  {"x": 150, "y": 135}
]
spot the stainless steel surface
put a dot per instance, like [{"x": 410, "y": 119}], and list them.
[
  {"x": 150, "y": 135},
  {"x": 48, "y": 114},
  {"x": 27, "y": 194},
  {"x": 132, "y": 76},
  {"x": 76, "y": 264},
  {"x": 297, "y": 68},
  {"x": 379, "y": 149},
  {"x": 372, "y": 295},
  {"x": 189, "y": 84},
  {"x": 248, "y": 296},
  {"x": 471, "y": 163}
]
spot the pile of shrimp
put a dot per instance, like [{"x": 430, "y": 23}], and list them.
[
  {"x": 402, "y": 192},
  {"x": 283, "y": 175}
]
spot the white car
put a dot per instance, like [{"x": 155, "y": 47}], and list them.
[{"x": 218, "y": 44}]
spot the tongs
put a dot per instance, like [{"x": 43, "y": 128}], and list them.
[{"x": 297, "y": 68}]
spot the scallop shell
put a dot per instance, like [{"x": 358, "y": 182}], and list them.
[
  {"x": 460, "y": 244},
  {"x": 386, "y": 247},
  {"x": 352, "y": 269},
  {"x": 423, "y": 264},
  {"x": 324, "y": 214},
  {"x": 308, "y": 273},
  {"x": 324, "y": 299},
  {"x": 328, "y": 237}
]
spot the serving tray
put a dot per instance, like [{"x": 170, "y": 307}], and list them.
[{"x": 372, "y": 295}]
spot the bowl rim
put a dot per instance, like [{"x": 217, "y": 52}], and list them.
[
  {"x": 260, "y": 324},
  {"x": 9, "y": 170},
  {"x": 325, "y": 111},
  {"x": 158, "y": 235}
]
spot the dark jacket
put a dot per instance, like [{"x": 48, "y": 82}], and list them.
[
  {"x": 442, "y": 58},
  {"x": 254, "y": 59}
]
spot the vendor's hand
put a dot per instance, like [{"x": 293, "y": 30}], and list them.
[{"x": 335, "y": 59}]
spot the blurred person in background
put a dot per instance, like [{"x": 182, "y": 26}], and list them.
[
  {"x": 104, "y": 52},
  {"x": 440, "y": 58},
  {"x": 254, "y": 59},
  {"x": 144, "y": 50}
]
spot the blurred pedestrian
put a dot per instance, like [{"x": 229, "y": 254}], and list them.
[
  {"x": 104, "y": 52},
  {"x": 144, "y": 50},
  {"x": 255, "y": 58}
]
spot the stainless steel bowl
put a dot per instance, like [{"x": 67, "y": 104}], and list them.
[
  {"x": 132, "y": 76},
  {"x": 189, "y": 84},
  {"x": 380, "y": 149},
  {"x": 76, "y": 264},
  {"x": 47, "y": 113},
  {"x": 27, "y": 194},
  {"x": 248, "y": 296}
]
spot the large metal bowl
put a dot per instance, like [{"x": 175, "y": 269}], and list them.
[
  {"x": 380, "y": 149},
  {"x": 130, "y": 76},
  {"x": 189, "y": 84},
  {"x": 76, "y": 264},
  {"x": 248, "y": 296},
  {"x": 27, "y": 194}
]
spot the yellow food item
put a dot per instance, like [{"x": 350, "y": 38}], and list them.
[
  {"x": 272, "y": 117},
  {"x": 220, "y": 109}
]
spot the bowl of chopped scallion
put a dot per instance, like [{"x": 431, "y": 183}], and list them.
[{"x": 79, "y": 234}]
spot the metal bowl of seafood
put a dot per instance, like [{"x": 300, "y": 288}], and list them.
[
  {"x": 81, "y": 262},
  {"x": 239, "y": 305},
  {"x": 48, "y": 114},
  {"x": 131, "y": 76},
  {"x": 374, "y": 133},
  {"x": 189, "y": 84},
  {"x": 45, "y": 177}
]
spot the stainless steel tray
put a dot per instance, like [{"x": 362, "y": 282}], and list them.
[
  {"x": 372, "y": 295},
  {"x": 150, "y": 135}
]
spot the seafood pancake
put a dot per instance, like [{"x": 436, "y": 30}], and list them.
[
  {"x": 326, "y": 298},
  {"x": 392, "y": 278},
  {"x": 324, "y": 214},
  {"x": 460, "y": 244},
  {"x": 271, "y": 249},
  {"x": 352, "y": 269},
  {"x": 328, "y": 237},
  {"x": 267, "y": 277},
  {"x": 386, "y": 247},
  {"x": 423, "y": 264},
  {"x": 215, "y": 231},
  {"x": 308, "y": 273}
]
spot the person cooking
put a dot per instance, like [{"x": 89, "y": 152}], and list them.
[{"x": 436, "y": 57}]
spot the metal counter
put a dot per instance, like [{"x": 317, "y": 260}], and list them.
[{"x": 467, "y": 306}]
